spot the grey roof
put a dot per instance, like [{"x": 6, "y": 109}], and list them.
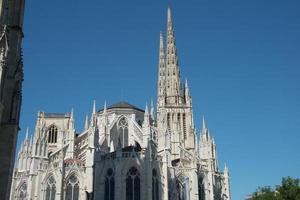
[{"x": 123, "y": 104}]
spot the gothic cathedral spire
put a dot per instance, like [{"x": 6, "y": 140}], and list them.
[
  {"x": 161, "y": 87},
  {"x": 174, "y": 105},
  {"x": 173, "y": 83}
]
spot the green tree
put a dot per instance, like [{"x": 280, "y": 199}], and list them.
[
  {"x": 288, "y": 190},
  {"x": 263, "y": 193}
]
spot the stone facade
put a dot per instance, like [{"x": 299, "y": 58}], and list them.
[
  {"x": 11, "y": 77},
  {"x": 125, "y": 152}
]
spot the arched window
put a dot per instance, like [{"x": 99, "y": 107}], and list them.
[
  {"x": 109, "y": 185},
  {"x": 22, "y": 192},
  {"x": 182, "y": 184},
  {"x": 50, "y": 189},
  {"x": 52, "y": 134},
  {"x": 123, "y": 132},
  {"x": 201, "y": 188},
  {"x": 133, "y": 185},
  {"x": 155, "y": 186},
  {"x": 72, "y": 189}
]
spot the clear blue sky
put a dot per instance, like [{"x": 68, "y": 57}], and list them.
[{"x": 242, "y": 59}]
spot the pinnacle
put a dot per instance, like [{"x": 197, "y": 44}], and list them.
[{"x": 203, "y": 122}]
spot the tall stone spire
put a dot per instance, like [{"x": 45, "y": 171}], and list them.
[
  {"x": 161, "y": 84},
  {"x": 174, "y": 103},
  {"x": 173, "y": 83}
]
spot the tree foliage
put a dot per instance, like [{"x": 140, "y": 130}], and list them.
[{"x": 288, "y": 190}]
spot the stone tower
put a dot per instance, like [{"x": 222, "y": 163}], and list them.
[
  {"x": 11, "y": 77},
  {"x": 174, "y": 103}
]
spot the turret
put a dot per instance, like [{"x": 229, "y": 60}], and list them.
[
  {"x": 86, "y": 123},
  {"x": 146, "y": 126},
  {"x": 207, "y": 147},
  {"x": 226, "y": 188},
  {"x": 187, "y": 94},
  {"x": 71, "y": 136},
  {"x": 93, "y": 117}
]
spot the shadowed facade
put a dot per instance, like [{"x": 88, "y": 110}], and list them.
[{"x": 11, "y": 77}]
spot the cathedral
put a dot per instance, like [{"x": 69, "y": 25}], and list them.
[{"x": 125, "y": 152}]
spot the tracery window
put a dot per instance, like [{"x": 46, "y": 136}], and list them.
[
  {"x": 109, "y": 193},
  {"x": 72, "y": 189},
  {"x": 155, "y": 186},
  {"x": 123, "y": 132},
  {"x": 22, "y": 192},
  {"x": 50, "y": 189},
  {"x": 52, "y": 134},
  {"x": 133, "y": 187}
]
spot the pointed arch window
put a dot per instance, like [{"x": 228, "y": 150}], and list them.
[
  {"x": 109, "y": 193},
  {"x": 123, "y": 132},
  {"x": 183, "y": 189},
  {"x": 22, "y": 192},
  {"x": 155, "y": 186},
  {"x": 201, "y": 188},
  {"x": 50, "y": 189},
  {"x": 52, "y": 134},
  {"x": 133, "y": 184},
  {"x": 72, "y": 189}
]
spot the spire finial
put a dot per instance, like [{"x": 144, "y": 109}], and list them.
[
  {"x": 26, "y": 138},
  {"x": 94, "y": 107},
  {"x": 86, "y": 123},
  {"x": 169, "y": 15},
  {"x": 203, "y": 122},
  {"x": 104, "y": 107},
  {"x": 152, "y": 108},
  {"x": 146, "y": 109},
  {"x": 72, "y": 114},
  {"x": 225, "y": 169}
]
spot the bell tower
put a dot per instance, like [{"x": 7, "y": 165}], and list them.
[{"x": 174, "y": 103}]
